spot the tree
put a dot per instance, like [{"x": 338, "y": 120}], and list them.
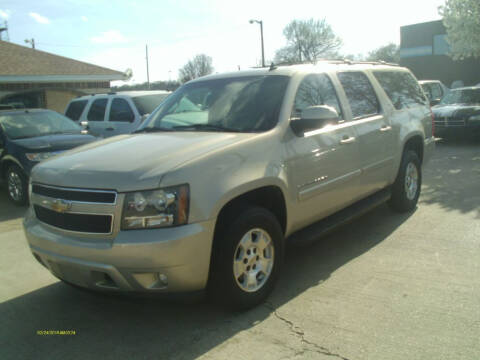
[
  {"x": 462, "y": 20},
  {"x": 388, "y": 53},
  {"x": 200, "y": 65},
  {"x": 308, "y": 41}
]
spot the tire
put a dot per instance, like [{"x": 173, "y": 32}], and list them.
[
  {"x": 407, "y": 185},
  {"x": 237, "y": 251},
  {"x": 17, "y": 185}
]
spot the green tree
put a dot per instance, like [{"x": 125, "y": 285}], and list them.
[
  {"x": 462, "y": 20},
  {"x": 200, "y": 65},
  {"x": 308, "y": 41},
  {"x": 389, "y": 53}
]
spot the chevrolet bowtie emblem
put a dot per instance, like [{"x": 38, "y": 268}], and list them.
[{"x": 60, "y": 205}]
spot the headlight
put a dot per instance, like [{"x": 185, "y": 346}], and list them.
[
  {"x": 40, "y": 156},
  {"x": 474, "y": 117},
  {"x": 156, "y": 208}
]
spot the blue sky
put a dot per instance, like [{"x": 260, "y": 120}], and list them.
[{"x": 114, "y": 33}]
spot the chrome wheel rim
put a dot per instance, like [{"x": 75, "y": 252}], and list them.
[
  {"x": 411, "y": 181},
  {"x": 15, "y": 188},
  {"x": 253, "y": 260}
]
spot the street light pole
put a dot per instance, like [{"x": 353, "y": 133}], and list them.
[{"x": 261, "y": 37}]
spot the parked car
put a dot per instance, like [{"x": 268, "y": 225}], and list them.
[
  {"x": 28, "y": 137},
  {"x": 458, "y": 113},
  {"x": 208, "y": 189},
  {"x": 106, "y": 115},
  {"x": 434, "y": 89}
]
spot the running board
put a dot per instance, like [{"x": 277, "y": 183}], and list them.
[{"x": 315, "y": 231}]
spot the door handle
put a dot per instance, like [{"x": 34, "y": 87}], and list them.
[
  {"x": 347, "y": 140},
  {"x": 110, "y": 129},
  {"x": 385, "y": 128}
]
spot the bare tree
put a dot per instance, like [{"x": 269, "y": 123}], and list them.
[
  {"x": 308, "y": 41},
  {"x": 389, "y": 53},
  {"x": 200, "y": 65}
]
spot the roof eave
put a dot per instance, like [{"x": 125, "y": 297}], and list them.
[{"x": 59, "y": 78}]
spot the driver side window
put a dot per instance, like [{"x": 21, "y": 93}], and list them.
[{"x": 316, "y": 89}]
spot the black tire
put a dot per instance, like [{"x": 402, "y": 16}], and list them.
[
  {"x": 400, "y": 201},
  {"x": 18, "y": 198},
  {"x": 223, "y": 287}
]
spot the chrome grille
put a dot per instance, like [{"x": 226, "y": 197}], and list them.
[{"x": 449, "y": 122}]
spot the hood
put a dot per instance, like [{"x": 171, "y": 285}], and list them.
[
  {"x": 455, "y": 111},
  {"x": 129, "y": 162},
  {"x": 54, "y": 142}
]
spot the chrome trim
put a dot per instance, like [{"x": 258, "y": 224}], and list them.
[{"x": 80, "y": 190}]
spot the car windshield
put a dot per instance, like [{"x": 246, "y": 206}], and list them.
[
  {"x": 32, "y": 124},
  {"x": 464, "y": 96},
  {"x": 147, "y": 103},
  {"x": 242, "y": 104}
]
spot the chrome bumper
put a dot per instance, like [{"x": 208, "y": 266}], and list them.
[{"x": 172, "y": 259}]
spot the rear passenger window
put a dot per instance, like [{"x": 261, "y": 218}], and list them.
[
  {"x": 402, "y": 89},
  {"x": 97, "y": 110},
  {"x": 436, "y": 91},
  {"x": 315, "y": 90},
  {"x": 120, "y": 110},
  {"x": 360, "y": 94},
  {"x": 75, "y": 109}
]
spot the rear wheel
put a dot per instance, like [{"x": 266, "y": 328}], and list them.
[
  {"x": 247, "y": 257},
  {"x": 17, "y": 185},
  {"x": 406, "y": 189}
]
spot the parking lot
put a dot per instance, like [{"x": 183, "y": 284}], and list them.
[{"x": 386, "y": 286}]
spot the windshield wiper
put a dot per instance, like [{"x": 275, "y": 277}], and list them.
[
  {"x": 207, "y": 127},
  {"x": 151, "y": 130}
]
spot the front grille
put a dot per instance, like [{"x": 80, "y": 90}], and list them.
[
  {"x": 87, "y": 223},
  {"x": 105, "y": 197},
  {"x": 449, "y": 122}
]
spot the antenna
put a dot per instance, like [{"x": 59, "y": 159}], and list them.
[{"x": 4, "y": 28}]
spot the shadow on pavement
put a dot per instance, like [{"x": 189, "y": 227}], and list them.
[
  {"x": 452, "y": 177},
  {"x": 111, "y": 327},
  {"x": 9, "y": 211}
]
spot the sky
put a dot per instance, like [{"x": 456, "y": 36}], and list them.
[{"x": 114, "y": 33}]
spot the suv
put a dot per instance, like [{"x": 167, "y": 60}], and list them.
[
  {"x": 112, "y": 114},
  {"x": 208, "y": 189}
]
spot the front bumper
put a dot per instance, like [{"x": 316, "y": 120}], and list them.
[{"x": 172, "y": 259}]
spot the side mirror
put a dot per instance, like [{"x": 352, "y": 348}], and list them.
[
  {"x": 314, "y": 118},
  {"x": 434, "y": 102},
  {"x": 84, "y": 124}
]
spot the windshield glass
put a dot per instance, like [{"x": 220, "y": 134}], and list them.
[
  {"x": 24, "y": 125},
  {"x": 147, "y": 103},
  {"x": 466, "y": 96},
  {"x": 243, "y": 104}
]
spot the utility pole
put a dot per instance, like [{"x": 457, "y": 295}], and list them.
[
  {"x": 148, "y": 74},
  {"x": 30, "y": 41},
  {"x": 261, "y": 37}
]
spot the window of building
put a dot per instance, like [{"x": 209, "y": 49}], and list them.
[
  {"x": 97, "y": 110},
  {"x": 360, "y": 94},
  {"x": 440, "y": 45},
  {"x": 402, "y": 89}
]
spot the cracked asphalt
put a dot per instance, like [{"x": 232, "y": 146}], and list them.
[{"x": 386, "y": 286}]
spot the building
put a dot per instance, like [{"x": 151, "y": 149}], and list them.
[
  {"x": 38, "y": 79},
  {"x": 424, "y": 50}
]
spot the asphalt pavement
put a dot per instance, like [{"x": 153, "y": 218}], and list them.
[{"x": 384, "y": 287}]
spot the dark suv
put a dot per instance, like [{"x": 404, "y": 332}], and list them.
[{"x": 28, "y": 137}]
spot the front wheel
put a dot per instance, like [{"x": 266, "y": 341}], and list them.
[
  {"x": 406, "y": 189},
  {"x": 17, "y": 185},
  {"x": 247, "y": 257}
]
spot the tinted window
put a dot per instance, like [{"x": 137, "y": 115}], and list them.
[
  {"x": 315, "y": 90},
  {"x": 360, "y": 94},
  {"x": 402, "y": 89},
  {"x": 147, "y": 103},
  {"x": 75, "y": 109},
  {"x": 243, "y": 104},
  {"x": 97, "y": 110},
  {"x": 121, "y": 111}
]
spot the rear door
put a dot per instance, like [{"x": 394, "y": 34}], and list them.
[
  {"x": 96, "y": 116},
  {"x": 373, "y": 129},
  {"x": 122, "y": 117}
]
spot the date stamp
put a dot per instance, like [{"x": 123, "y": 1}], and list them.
[{"x": 56, "y": 332}]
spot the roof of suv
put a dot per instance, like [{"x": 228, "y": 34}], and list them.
[
  {"x": 289, "y": 70},
  {"x": 131, "y": 94}
]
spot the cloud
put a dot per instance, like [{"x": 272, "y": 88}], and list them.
[
  {"x": 84, "y": 18},
  {"x": 109, "y": 37},
  {"x": 5, "y": 14},
  {"x": 39, "y": 18}
]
